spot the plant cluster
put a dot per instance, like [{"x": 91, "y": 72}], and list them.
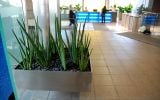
[
  {"x": 121, "y": 9},
  {"x": 64, "y": 7},
  {"x": 114, "y": 6},
  {"x": 126, "y": 9},
  {"x": 141, "y": 9},
  {"x": 95, "y": 10},
  {"x": 33, "y": 49},
  {"x": 77, "y": 7}
]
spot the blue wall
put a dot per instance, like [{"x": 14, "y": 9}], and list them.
[{"x": 5, "y": 82}]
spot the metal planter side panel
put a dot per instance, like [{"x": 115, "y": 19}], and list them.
[{"x": 53, "y": 80}]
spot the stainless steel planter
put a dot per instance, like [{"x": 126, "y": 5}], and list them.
[{"x": 53, "y": 80}]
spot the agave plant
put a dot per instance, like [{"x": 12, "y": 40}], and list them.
[
  {"x": 26, "y": 50},
  {"x": 60, "y": 43},
  {"x": 78, "y": 47},
  {"x": 84, "y": 53},
  {"x": 33, "y": 48}
]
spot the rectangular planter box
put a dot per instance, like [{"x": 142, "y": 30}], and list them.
[{"x": 53, "y": 80}]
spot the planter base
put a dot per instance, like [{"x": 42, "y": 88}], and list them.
[{"x": 53, "y": 80}]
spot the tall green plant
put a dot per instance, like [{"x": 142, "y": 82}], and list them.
[
  {"x": 43, "y": 55},
  {"x": 26, "y": 50},
  {"x": 128, "y": 8},
  {"x": 84, "y": 53},
  {"x": 60, "y": 43},
  {"x": 78, "y": 46},
  {"x": 72, "y": 44},
  {"x": 121, "y": 9},
  {"x": 35, "y": 47},
  {"x": 77, "y": 7},
  {"x": 32, "y": 47},
  {"x": 83, "y": 45}
]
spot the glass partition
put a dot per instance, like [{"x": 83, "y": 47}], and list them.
[{"x": 10, "y": 11}]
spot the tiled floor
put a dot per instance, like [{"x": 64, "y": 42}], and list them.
[{"x": 123, "y": 69}]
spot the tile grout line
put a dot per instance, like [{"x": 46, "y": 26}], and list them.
[{"x": 111, "y": 77}]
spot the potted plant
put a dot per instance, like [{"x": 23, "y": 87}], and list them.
[
  {"x": 128, "y": 8},
  {"x": 57, "y": 65},
  {"x": 141, "y": 9},
  {"x": 120, "y": 11},
  {"x": 77, "y": 7}
]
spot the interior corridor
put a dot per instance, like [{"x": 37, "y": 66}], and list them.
[{"x": 123, "y": 69}]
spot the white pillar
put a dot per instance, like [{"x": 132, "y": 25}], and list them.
[
  {"x": 47, "y": 21},
  {"x": 38, "y": 9},
  {"x": 25, "y": 13},
  {"x": 82, "y": 5},
  {"x": 54, "y": 10},
  {"x": 46, "y": 10}
]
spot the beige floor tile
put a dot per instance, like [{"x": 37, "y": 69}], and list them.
[
  {"x": 134, "y": 67},
  {"x": 122, "y": 80},
  {"x": 98, "y": 63},
  {"x": 106, "y": 93},
  {"x": 148, "y": 91},
  {"x": 97, "y": 56},
  {"x": 100, "y": 57},
  {"x": 100, "y": 70},
  {"x": 117, "y": 70},
  {"x": 101, "y": 80},
  {"x": 139, "y": 98},
  {"x": 127, "y": 91},
  {"x": 113, "y": 62},
  {"x": 117, "y": 64},
  {"x": 140, "y": 80},
  {"x": 134, "y": 70}
]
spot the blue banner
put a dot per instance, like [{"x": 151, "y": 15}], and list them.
[{"x": 5, "y": 82}]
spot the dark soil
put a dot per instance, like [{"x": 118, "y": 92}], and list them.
[{"x": 55, "y": 65}]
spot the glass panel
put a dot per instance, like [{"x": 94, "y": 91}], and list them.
[{"x": 10, "y": 11}]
